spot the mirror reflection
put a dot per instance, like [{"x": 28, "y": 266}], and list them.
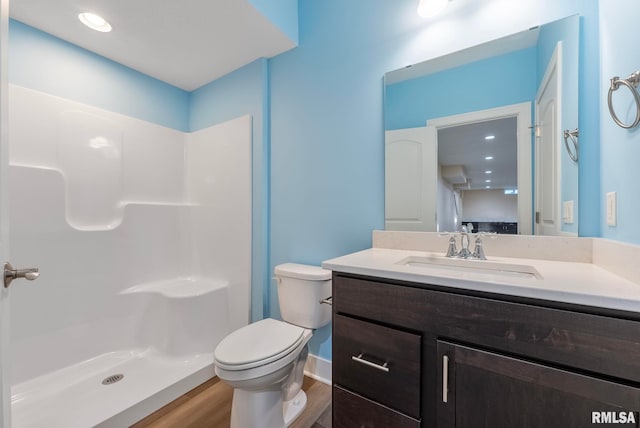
[
  {"x": 478, "y": 183},
  {"x": 477, "y": 137}
]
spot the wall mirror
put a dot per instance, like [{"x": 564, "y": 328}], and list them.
[{"x": 477, "y": 136}]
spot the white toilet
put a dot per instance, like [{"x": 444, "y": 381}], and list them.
[{"x": 264, "y": 361}]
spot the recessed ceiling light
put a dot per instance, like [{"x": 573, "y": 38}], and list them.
[
  {"x": 487, "y": 187},
  {"x": 490, "y": 137},
  {"x": 487, "y": 181},
  {"x": 488, "y": 172},
  {"x": 488, "y": 157},
  {"x": 95, "y": 22}
]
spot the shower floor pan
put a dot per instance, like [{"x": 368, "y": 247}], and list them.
[{"x": 76, "y": 397}]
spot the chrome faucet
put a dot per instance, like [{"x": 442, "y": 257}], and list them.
[{"x": 465, "y": 253}]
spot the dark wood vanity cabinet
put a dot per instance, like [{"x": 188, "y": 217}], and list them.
[{"x": 414, "y": 355}]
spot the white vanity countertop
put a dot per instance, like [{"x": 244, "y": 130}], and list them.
[{"x": 568, "y": 282}]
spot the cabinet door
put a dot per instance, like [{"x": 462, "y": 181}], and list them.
[{"x": 484, "y": 389}]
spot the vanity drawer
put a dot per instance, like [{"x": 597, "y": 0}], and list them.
[
  {"x": 351, "y": 410},
  {"x": 381, "y": 363}
]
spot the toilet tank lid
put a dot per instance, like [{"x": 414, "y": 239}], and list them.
[{"x": 298, "y": 271}]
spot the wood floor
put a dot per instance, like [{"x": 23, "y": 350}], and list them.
[{"x": 209, "y": 406}]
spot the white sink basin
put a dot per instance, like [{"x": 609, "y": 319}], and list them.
[{"x": 480, "y": 267}]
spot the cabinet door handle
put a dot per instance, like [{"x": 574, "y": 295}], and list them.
[
  {"x": 445, "y": 378},
  {"x": 361, "y": 360}
]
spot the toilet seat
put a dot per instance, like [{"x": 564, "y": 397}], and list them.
[{"x": 258, "y": 344}]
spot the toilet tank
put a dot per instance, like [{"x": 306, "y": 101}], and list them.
[{"x": 300, "y": 290}]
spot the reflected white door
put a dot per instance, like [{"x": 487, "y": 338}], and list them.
[
  {"x": 411, "y": 174},
  {"x": 5, "y": 392},
  {"x": 548, "y": 122}
]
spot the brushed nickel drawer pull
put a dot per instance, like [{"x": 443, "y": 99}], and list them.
[
  {"x": 361, "y": 360},
  {"x": 445, "y": 378}
]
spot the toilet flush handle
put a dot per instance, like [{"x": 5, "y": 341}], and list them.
[{"x": 327, "y": 301}]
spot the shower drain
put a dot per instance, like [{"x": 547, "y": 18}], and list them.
[{"x": 112, "y": 379}]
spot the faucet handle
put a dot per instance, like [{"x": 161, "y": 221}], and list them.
[
  {"x": 478, "y": 251},
  {"x": 452, "y": 251}
]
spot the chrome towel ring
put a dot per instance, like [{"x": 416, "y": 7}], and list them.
[
  {"x": 573, "y": 136},
  {"x": 630, "y": 82}
]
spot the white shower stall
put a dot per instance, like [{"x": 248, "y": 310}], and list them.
[{"x": 142, "y": 235}]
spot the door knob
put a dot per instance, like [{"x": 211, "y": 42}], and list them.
[{"x": 10, "y": 274}]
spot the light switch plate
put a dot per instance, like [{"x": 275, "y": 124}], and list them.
[
  {"x": 611, "y": 209},
  {"x": 567, "y": 212}
]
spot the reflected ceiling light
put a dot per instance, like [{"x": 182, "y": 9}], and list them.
[
  {"x": 488, "y": 172},
  {"x": 487, "y": 181},
  {"x": 430, "y": 8},
  {"x": 95, "y": 22},
  {"x": 488, "y": 157},
  {"x": 490, "y": 137},
  {"x": 487, "y": 187}
]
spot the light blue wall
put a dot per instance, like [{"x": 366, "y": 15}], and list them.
[
  {"x": 589, "y": 120},
  {"x": 283, "y": 13},
  {"x": 493, "y": 82},
  {"x": 327, "y": 175},
  {"x": 327, "y": 167},
  {"x": 245, "y": 91},
  {"x": 620, "y": 148},
  {"x": 40, "y": 61},
  {"x": 568, "y": 32}
]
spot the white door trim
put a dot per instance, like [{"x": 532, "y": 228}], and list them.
[
  {"x": 5, "y": 380},
  {"x": 522, "y": 112}
]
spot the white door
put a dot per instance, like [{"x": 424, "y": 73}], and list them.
[
  {"x": 547, "y": 159},
  {"x": 5, "y": 393},
  {"x": 411, "y": 174}
]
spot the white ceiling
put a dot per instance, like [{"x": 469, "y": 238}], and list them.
[
  {"x": 465, "y": 145},
  {"x": 184, "y": 43}
]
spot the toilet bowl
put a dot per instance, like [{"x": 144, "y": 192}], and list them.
[{"x": 264, "y": 361}]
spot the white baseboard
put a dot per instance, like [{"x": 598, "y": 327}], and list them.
[{"x": 318, "y": 368}]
